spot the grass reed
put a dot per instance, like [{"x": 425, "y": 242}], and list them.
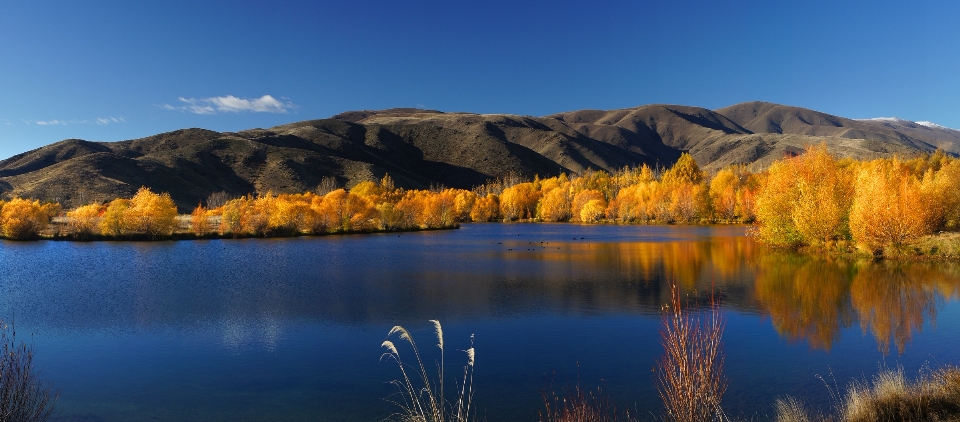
[
  {"x": 420, "y": 397},
  {"x": 580, "y": 406},
  {"x": 23, "y": 396},
  {"x": 689, "y": 374},
  {"x": 889, "y": 396}
]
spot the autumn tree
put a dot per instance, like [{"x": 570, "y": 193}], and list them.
[
  {"x": 84, "y": 221},
  {"x": 684, "y": 171},
  {"x": 805, "y": 200},
  {"x": 151, "y": 213},
  {"x": 593, "y": 211},
  {"x": 112, "y": 222},
  {"x": 581, "y": 200},
  {"x": 486, "y": 208},
  {"x": 291, "y": 213},
  {"x": 555, "y": 204},
  {"x": 888, "y": 206},
  {"x": 941, "y": 195},
  {"x": 23, "y": 219},
  {"x": 519, "y": 201},
  {"x": 231, "y": 216},
  {"x": 199, "y": 221}
]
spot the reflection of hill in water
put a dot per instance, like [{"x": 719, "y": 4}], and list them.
[{"x": 486, "y": 271}]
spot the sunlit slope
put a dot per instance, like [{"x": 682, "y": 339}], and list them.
[
  {"x": 761, "y": 117},
  {"x": 420, "y": 148}
]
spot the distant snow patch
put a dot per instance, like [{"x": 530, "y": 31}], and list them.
[
  {"x": 933, "y": 125},
  {"x": 905, "y": 122}
]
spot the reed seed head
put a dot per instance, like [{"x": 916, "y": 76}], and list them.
[
  {"x": 404, "y": 334},
  {"x": 439, "y": 330},
  {"x": 470, "y": 355},
  {"x": 390, "y": 347}
]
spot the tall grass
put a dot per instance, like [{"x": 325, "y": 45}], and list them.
[
  {"x": 420, "y": 397},
  {"x": 689, "y": 374},
  {"x": 23, "y": 397},
  {"x": 889, "y": 396},
  {"x": 580, "y": 406}
]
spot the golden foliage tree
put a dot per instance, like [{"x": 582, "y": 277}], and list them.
[
  {"x": 151, "y": 213},
  {"x": 84, "y": 221},
  {"x": 23, "y": 219},
  {"x": 888, "y": 207},
  {"x": 519, "y": 201},
  {"x": 804, "y": 200},
  {"x": 555, "y": 203},
  {"x": 112, "y": 223},
  {"x": 581, "y": 200},
  {"x": 593, "y": 211},
  {"x": 486, "y": 208},
  {"x": 199, "y": 221}
]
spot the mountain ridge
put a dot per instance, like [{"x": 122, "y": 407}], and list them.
[{"x": 422, "y": 148}]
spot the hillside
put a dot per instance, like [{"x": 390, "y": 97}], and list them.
[{"x": 420, "y": 148}]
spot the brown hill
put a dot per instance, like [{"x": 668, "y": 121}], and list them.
[{"x": 420, "y": 148}]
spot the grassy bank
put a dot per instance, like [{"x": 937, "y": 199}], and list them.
[{"x": 889, "y": 396}]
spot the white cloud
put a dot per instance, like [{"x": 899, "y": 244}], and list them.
[
  {"x": 57, "y": 122},
  {"x": 50, "y": 122},
  {"x": 109, "y": 120},
  {"x": 231, "y": 104}
]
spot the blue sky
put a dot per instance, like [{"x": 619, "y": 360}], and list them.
[{"x": 108, "y": 71}]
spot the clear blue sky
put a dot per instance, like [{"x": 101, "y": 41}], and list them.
[{"x": 114, "y": 70}]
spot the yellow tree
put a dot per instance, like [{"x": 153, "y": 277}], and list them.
[
  {"x": 581, "y": 200},
  {"x": 486, "y": 208},
  {"x": 823, "y": 196},
  {"x": 231, "y": 216},
  {"x": 723, "y": 193},
  {"x": 112, "y": 223},
  {"x": 291, "y": 213},
  {"x": 151, "y": 213},
  {"x": 519, "y": 201},
  {"x": 255, "y": 219},
  {"x": 83, "y": 221},
  {"x": 941, "y": 195},
  {"x": 593, "y": 211},
  {"x": 555, "y": 204},
  {"x": 888, "y": 207},
  {"x": 685, "y": 170},
  {"x": 199, "y": 221},
  {"x": 463, "y": 204},
  {"x": 23, "y": 219}
]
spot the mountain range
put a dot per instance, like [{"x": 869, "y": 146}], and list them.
[{"x": 423, "y": 148}]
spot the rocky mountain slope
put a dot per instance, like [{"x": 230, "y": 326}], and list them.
[{"x": 420, "y": 148}]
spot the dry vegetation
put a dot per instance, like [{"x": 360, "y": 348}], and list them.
[
  {"x": 421, "y": 395},
  {"x": 690, "y": 375},
  {"x": 23, "y": 396},
  {"x": 934, "y": 395}
]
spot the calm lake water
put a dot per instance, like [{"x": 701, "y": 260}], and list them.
[{"x": 290, "y": 329}]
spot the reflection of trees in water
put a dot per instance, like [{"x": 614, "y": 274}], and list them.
[
  {"x": 806, "y": 298},
  {"x": 813, "y": 299},
  {"x": 892, "y": 300}
]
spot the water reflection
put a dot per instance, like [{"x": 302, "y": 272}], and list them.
[
  {"x": 812, "y": 299},
  {"x": 288, "y": 329},
  {"x": 251, "y": 289}
]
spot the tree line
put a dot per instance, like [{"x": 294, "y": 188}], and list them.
[
  {"x": 818, "y": 200},
  {"x": 811, "y": 199}
]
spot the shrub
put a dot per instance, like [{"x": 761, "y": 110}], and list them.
[
  {"x": 23, "y": 219},
  {"x": 23, "y": 396},
  {"x": 689, "y": 374}
]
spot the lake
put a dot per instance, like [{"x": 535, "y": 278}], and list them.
[{"x": 290, "y": 329}]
